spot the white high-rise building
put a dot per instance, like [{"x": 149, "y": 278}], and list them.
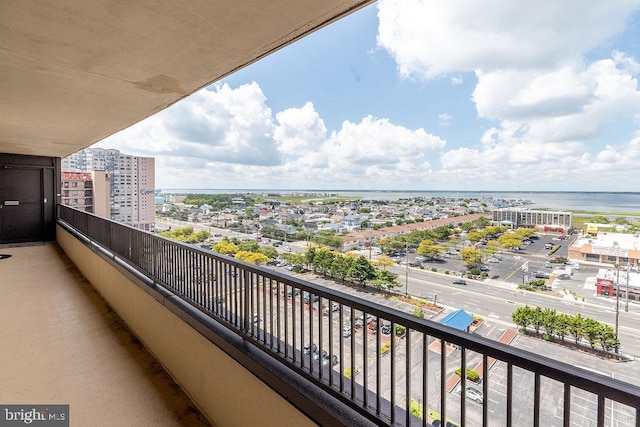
[{"x": 132, "y": 183}]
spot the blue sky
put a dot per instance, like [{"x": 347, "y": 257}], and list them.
[{"x": 420, "y": 95}]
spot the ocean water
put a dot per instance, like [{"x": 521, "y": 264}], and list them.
[{"x": 562, "y": 201}]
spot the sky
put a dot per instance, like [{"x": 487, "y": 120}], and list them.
[{"x": 420, "y": 95}]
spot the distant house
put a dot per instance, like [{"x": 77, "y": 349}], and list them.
[{"x": 351, "y": 222}]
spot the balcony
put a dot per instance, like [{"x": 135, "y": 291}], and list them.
[{"x": 230, "y": 333}]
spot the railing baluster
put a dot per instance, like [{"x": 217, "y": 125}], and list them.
[
  {"x": 407, "y": 376},
  {"x": 536, "y": 399},
  {"x": 566, "y": 414},
  {"x": 443, "y": 383},
  {"x": 509, "y": 394},
  {"x": 378, "y": 366},
  {"x": 463, "y": 385},
  {"x": 365, "y": 358},
  {"x": 393, "y": 374}
]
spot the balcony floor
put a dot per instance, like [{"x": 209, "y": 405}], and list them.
[{"x": 62, "y": 344}]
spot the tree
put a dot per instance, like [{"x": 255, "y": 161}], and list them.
[
  {"x": 599, "y": 219},
  {"x": 340, "y": 266},
  {"x": 591, "y": 330},
  {"x": 362, "y": 270},
  {"x": 621, "y": 220},
  {"x": 309, "y": 256},
  {"x": 474, "y": 236},
  {"x": 537, "y": 318},
  {"x": 252, "y": 257},
  {"x": 268, "y": 251},
  {"x": 429, "y": 249},
  {"x": 562, "y": 325},
  {"x": 521, "y": 317},
  {"x": 575, "y": 326},
  {"x": 549, "y": 320},
  {"x": 248, "y": 246},
  {"x": 510, "y": 240},
  {"x": 225, "y": 247},
  {"x": 383, "y": 261},
  {"x": 471, "y": 256},
  {"x": 322, "y": 260},
  {"x": 468, "y": 226}
]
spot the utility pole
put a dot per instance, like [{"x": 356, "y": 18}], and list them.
[
  {"x": 617, "y": 299},
  {"x": 406, "y": 271},
  {"x": 626, "y": 292}
]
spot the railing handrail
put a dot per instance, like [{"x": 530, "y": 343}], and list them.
[{"x": 599, "y": 384}]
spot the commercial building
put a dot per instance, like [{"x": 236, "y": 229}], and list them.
[
  {"x": 623, "y": 278},
  {"x": 132, "y": 197},
  {"x": 607, "y": 248},
  {"x": 553, "y": 221}
]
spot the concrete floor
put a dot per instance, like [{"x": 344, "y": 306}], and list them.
[{"x": 61, "y": 344}]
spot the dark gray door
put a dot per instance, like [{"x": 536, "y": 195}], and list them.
[{"x": 21, "y": 205}]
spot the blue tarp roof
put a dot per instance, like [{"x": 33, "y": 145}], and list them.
[{"x": 458, "y": 319}]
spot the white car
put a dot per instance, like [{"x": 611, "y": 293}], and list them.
[
  {"x": 474, "y": 394},
  {"x": 493, "y": 260}
]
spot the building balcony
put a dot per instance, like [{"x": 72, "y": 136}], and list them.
[{"x": 240, "y": 339}]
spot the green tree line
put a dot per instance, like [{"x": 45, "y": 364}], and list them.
[{"x": 562, "y": 325}]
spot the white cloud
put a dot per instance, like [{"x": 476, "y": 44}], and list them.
[
  {"x": 431, "y": 38},
  {"x": 549, "y": 106},
  {"x": 220, "y": 125},
  {"x": 299, "y": 130},
  {"x": 444, "y": 119}
]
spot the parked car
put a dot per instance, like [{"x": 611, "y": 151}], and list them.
[
  {"x": 421, "y": 258},
  {"x": 333, "y": 359},
  {"x": 346, "y": 331},
  {"x": 541, "y": 275},
  {"x": 334, "y": 307},
  {"x": 386, "y": 329},
  {"x": 484, "y": 268},
  {"x": 474, "y": 394},
  {"x": 308, "y": 349},
  {"x": 493, "y": 260},
  {"x": 293, "y": 292},
  {"x": 313, "y": 298},
  {"x": 548, "y": 265},
  {"x": 360, "y": 321},
  {"x": 316, "y": 354},
  {"x": 459, "y": 282}
]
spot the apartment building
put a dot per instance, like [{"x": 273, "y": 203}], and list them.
[
  {"x": 132, "y": 183},
  {"x": 89, "y": 191}
]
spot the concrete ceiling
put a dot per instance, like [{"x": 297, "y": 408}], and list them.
[{"x": 73, "y": 72}]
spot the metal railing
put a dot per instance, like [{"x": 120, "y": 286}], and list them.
[{"x": 390, "y": 366}]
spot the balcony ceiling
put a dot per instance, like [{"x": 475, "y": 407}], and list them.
[{"x": 73, "y": 72}]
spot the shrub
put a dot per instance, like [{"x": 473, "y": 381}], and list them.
[
  {"x": 347, "y": 372},
  {"x": 385, "y": 348},
  {"x": 418, "y": 312},
  {"x": 434, "y": 269},
  {"x": 416, "y": 408},
  {"x": 400, "y": 330},
  {"x": 471, "y": 374}
]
